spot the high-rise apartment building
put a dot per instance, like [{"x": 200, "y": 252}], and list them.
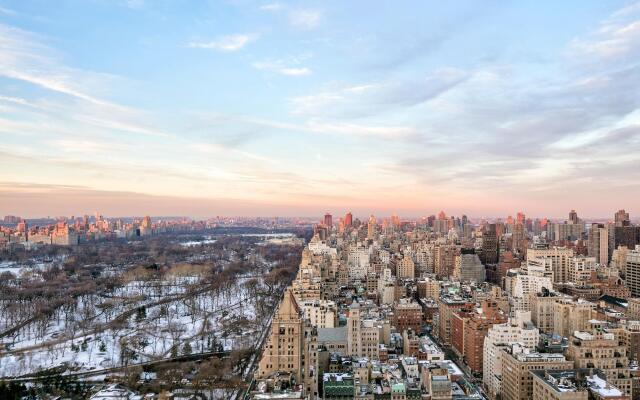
[
  {"x": 445, "y": 257},
  {"x": 284, "y": 349},
  {"x": 632, "y": 268},
  {"x": 542, "y": 310},
  {"x": 602, "y": 350},
  {"x": 517, "y": 363},
  {"x": 406, "y": 268},
  {"x": 574, "y": 384},
  {"x": 475, "y": 331},
  {"x": 561, "y": 258},
  {"x": 407, "y": 315},
  {"x": 564, "y": 231},
  {"x": 363, "y": 335},
  {"x": 520, "y": 330},
  {"x": 598, "y": 243},
  {"x": 447, "y": 305},
  {"x": 571, "y": 315}
]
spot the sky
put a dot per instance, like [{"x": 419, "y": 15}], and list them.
[{"x": 236, "y": 107}]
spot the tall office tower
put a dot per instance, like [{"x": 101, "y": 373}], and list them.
[
  {"x": 537, "y": 227},
  {"x": 441, "y": 226},
  {"x": 573, "y": 217},
  {"x": 519, "y": 238},
  {"x": 633, "y": 271},
  {"x": 371, "y": 227},
  {"x": 284, "y": 347},
  {"x": 348, "y": 220},
  {"x": 442, "y": 215},
  {"x": 627, "y": 235},
  {"x": 621, "y": 218},
  {"x": 520, "y": 218},
  {"x": 395, "y": 221},
  {"x": 598, "y": 243},
  {"x": 430, "y": 220},
  {"x": 528, "y": 225},
  {"x": 328, "y": 220},
  {"x": 465, "y": 220},
  {"x": 489, "y": 245}
]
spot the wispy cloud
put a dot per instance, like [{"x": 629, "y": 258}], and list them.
[
  {"x": 25, "y": 57},
  {"x": 305, "y": 19},
  {"x": 79, "y": 145},
  {"x": 226, "y": 43},
  {"x": 7, "y": 11},
  {"x": 617, "y": 36},
  {"x": 373, "y": 98},
  {"x": 281, "y": 67},
  {"x": 272, "y": 7},
  {"x": 135, "y": 4},
  {"x": 381, "y": 131}
]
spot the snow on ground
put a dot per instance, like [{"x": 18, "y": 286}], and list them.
[
  {"x": 83, "y": 340},
  {"x": 18, "y": 268},
  {"x": 10, "y": 266}
]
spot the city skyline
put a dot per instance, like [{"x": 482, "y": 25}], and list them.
[
  {"x": 337, "y": 217},
  {"x": 276, "y": 108}
]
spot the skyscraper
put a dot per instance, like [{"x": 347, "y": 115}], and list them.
[
  {"x": 633, "y": 272},
  {"x": 489, "y": 245},
  {"x": 598, "y": 243},
  {"x": 284, "y": 348},
  {"x": 395, "y": 221},
  {"x": 519, "y": 238},
  {"x": 348, "y": 220},
  {"x": 371, "y": 227},
  {"x": 328, "y": 220},
  {"x": 621, "y": 218},
  {"x": 573, "y": 217}
]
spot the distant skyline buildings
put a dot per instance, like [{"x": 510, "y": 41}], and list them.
[{"x": 442, "y": 222}]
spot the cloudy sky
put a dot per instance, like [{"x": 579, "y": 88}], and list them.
[{"x": 167, "y": 107}]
